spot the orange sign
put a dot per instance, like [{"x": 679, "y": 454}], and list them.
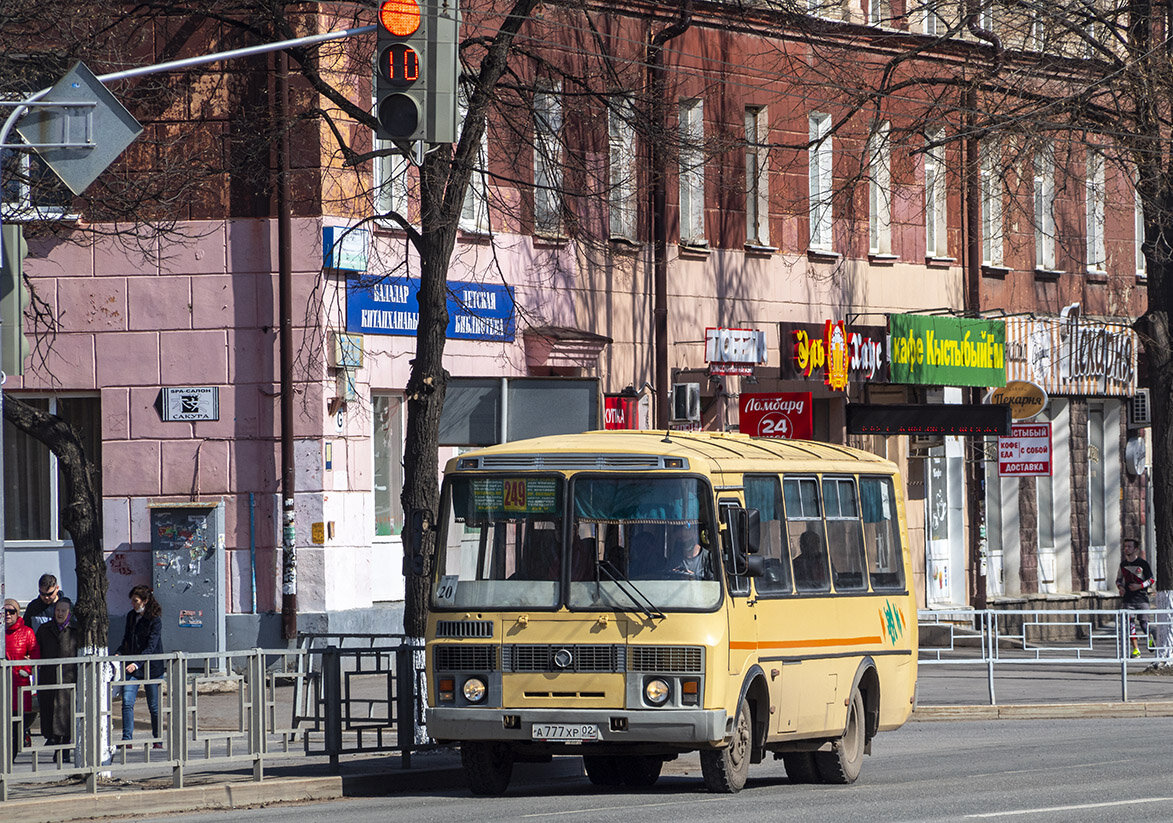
[{"x": 838, "y": 355}]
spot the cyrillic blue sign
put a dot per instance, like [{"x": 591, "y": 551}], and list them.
[{"x": 390, "y": 305}]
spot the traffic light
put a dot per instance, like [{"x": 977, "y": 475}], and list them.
[
  {"x": 416, "y": 70},
  {"x": 14, "y": 298}
]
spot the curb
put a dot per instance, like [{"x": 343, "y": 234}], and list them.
[
  {"x": 165, "y": 801},
  {"x": 1047, "y": 711}
]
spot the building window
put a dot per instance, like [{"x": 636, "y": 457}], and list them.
[
  {"x": 692, "y": 173},
  {"x": 757, "y": 178},
  {"x": 878, "y": 14},
  {"x": 1138, "y": 234},
  {"x": 991, "y": 194},
  {"x": 623, "y": 167},
  {"x": 34, "y": 487},
  {"x": 387, "y": 410},
  {"x": 1094, "y": 200},
  {"x": 986, "y": 16},
  {"x": 879, "y": 192},
  {"x": 548, "y": 161},
  {"x": 31, "y": 190},
  {"x": 391, "y": 184},
  {"x": 1044, "y": 209},
  {"x": 934, "y": 22},
  {"x": 936, "y": 234},
  {"x": 819, "y": 155},
  {"x": 474, "y": 210}
]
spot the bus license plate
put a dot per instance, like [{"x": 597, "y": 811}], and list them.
[{"x": 566, "y": 732}]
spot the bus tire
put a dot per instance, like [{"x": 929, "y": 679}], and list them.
[
  {"x": 641, "y": 771},
  {"x": 800, "y": 767},
  {"x": 487, "y": 767},
  {"x": 843, "y": 763},
  {"x": 725, "y": 770},
  {"x": 602, "y": 769}
]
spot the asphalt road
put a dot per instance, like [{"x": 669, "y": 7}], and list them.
[{"x": 1048, "y": 770}]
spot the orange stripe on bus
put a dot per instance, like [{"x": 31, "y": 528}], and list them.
[{"x": 797, "y": 644}]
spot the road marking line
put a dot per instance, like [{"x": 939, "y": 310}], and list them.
[
  {"x": 1044, "y": 809},
  {"x": 597, "y": 809}
]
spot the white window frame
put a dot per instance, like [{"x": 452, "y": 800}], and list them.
[
  {"x": 879, "y": 191},
  {"x": 986, "y": 15},
  {"x": 992, "y": 226},
  {"x": 22, "y": 208},
  {"x": 474, "y": 210},
  {"x": 877, "y": 13},
  {"x": 820, "y": 182},
  {"x": 692, "y": 172},
  {"x": 623, "y": 168},
  {"x": 936, "y": 197},
  {"x": 1142, "y": 265},
  {"x": 1044, "y": 208},
  {"x": 1094, "y": 196},
  {"x": 548, "y": 160},
  {"x": 757, "y": 176},
  {"x": 391, "y": 185},
  {"x": 934, "y": 23}
]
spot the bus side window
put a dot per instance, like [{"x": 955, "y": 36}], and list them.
[
  {"x": 765, "y": 495},
  {"x": 804, "y": 532},
  {"x": 881, "y": 530},
  {"x": 844, "y": 535}
]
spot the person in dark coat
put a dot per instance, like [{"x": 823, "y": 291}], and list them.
[
  {"x": 60, "y": 637},
  {"x": 143, "y": 635},
  {"x": 40, "y": 609}
]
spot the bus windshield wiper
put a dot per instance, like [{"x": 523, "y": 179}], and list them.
[{"x": 638, "y": 598}]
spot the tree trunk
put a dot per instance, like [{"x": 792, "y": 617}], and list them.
[{"x": 82, "y": 512}]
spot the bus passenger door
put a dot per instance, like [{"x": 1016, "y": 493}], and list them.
[{"x": 741, "y": 611}]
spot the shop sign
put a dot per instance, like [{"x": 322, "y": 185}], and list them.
[
  {"x": 390, "y": 305},
  {"x": 777, "y": 414},
  {"x": 1026, "y": 452},
  {"x": 1024, "y": 398},
  {"x": 345, "y": 248},
  {"x": 947, "y": 351},
  {"x": 805, "y": 352},
  {"x": 620, "y": 412},
  {"x": 190, "y": 403},
  {"x": 734, "y": 351},
  {"x": 1072, "y": 355}
]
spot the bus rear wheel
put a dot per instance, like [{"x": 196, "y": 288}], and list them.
[
  {"x": 602, "y": 770},
  {"x": 845, "y": 760},
  {"x": 487, "y": 767},
  {"x": 726, "y": 770}
]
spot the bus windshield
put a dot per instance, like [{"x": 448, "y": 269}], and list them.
[
  {"x": 656, "y": 532},
  {"x": 504, "y": 545}
]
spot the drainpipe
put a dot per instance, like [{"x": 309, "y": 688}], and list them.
[
  {"x": 659, "y": 206},
  {"x": 285, "y": 308}
]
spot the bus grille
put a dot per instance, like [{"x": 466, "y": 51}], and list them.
[
  {"x": 586, "y": 658},
  {"x": 464, "y": 628},
  {"x": 466, "y": 658},
  {"x": 571, "y": 461},
  {"x": 686, "y": 659}
]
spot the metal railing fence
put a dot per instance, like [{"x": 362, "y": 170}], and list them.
[
  {"x": 993, "y": 638},
  {"x": 215, "y": 711}
]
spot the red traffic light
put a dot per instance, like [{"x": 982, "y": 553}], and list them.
[
  {"x": 400, "y": 64},
  {"x": 400, "y": 17}
]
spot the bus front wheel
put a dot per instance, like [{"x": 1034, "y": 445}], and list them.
[
  {"x": 487, "y": 767},
  {"x": 843, "y": 763},
  {"x": 725, "y": 770}
]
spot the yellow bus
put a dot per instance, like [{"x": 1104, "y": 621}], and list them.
[{"x": 628, "y": 596}]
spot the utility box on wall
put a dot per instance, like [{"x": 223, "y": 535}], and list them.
[{"x": 187, "y": 574}]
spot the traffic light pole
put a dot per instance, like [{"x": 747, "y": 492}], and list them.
[{"x": 22, "y": 106}]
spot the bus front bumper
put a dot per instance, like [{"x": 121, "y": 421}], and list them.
[{"x": 676, "y": 726}]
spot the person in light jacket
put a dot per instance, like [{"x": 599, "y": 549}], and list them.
[{"x": 143, "y": 635}]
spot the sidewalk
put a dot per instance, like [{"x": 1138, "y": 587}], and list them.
[{"x": 944, "y": 693}]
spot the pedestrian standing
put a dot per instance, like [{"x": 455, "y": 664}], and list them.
[
  {"x": 59, "y": 638},
  {"x": 20, "y": 643},
  {"x": 40, "y": 609},
  {"x": 1133, "y": 581},
  {"x": 143, "y": 635}
]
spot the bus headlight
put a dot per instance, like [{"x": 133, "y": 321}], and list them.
[
  {"x": 474, "y": 690},
  {"x": 656, "y": 691}
]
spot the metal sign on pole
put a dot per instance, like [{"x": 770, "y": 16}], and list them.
[{"x": 83, "y": 133}]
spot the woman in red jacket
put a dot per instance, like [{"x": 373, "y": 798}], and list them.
[{"x": 20, "y": 643}]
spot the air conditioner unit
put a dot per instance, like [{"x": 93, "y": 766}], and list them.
[
  {"x": 1140, "y": 410},
  {"x": 686, "y": 402}
]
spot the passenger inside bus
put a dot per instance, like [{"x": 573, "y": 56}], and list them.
[{"x": 810, "y": 565}]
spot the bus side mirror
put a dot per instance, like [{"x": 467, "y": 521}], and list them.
[
  {"x": 753, "y": 531},
  {"x": 755, "y": 565}
]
